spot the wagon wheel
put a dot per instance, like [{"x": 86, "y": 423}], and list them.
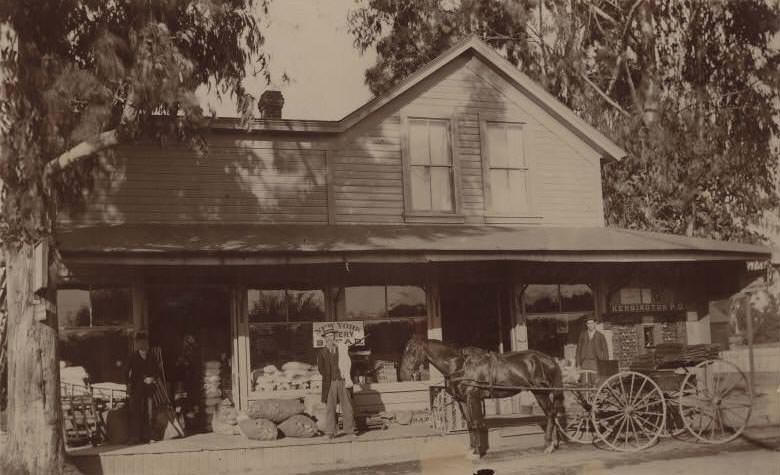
[
  {"x": 577, "y": 425},
  {"x": 715, "y": 401},
  {"x": 629, "y": 411}
]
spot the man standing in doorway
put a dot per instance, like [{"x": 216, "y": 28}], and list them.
[
  {"x": 591, "y": 347},
  {"x": 334, "y": 386},
  {"x": 141, "y": 375}
]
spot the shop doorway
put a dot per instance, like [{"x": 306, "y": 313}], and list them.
[
  {"x": 476, "y": 315},
  {"x": 191, "y": 326}
]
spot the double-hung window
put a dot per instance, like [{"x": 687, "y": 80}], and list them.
[
  {"x": 506, "y": 169},
  {"x": 431, "y": 179}
]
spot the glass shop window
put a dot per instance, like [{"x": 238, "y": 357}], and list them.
[
  {"x": 282, "y": 354},
  {"x": 94, "y": 307},
  {"x": 391, "y": 315},
  {"x": 555, "y": 316}
]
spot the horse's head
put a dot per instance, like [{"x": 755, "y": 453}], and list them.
[{"x": 412, "y": 359}]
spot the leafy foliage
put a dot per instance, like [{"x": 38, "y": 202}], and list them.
[
  {"x": 689, "y": 89},
  {"x": 80, "y": 76}
]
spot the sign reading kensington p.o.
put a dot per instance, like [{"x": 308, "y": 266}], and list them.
[
  {"x": 647, "y": 307},
  {"x": 350, "y": 332}
]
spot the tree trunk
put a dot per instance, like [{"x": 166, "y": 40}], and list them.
[{"x": 35, "y": 438}]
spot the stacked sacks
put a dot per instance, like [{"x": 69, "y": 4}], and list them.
[
  {"x": 212, "y": 392},
  {"x": 299, "y": 425},
  {"x": 275, "y": 410},
  {"x": 225, "y": 420},
  {"x": 257, "y": 429},
  {"x": 261, "y": 419},
  {"x": 294, "y": 375}
]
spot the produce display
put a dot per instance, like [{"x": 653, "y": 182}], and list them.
[{"x": 293, "y": 375}]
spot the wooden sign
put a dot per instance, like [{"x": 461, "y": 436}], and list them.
[
  {"x": 647, "y": 307},
  {"x": 350, "y": 332}
]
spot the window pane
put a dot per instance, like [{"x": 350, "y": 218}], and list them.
[
  {"x": 421, "y": 191},
  {"x": 266, "y": 305},
  {"x": 363, "y": 303},
  {"x": 406, "y": 301},
  {"x": 541, "y": 298},
  {"x": 497, "y": 146},
  {"x": 518, "y": 194},
  {"x": 111, "y": 306},
  {"x": 439, "y": 137},
  {"x": 277, "y": 344},
  {"x": 386, "y": 341},
  {"x": 102, "y": 352},
  {"x": 441, "y": 189},
  {"x": 306, "y": 305},
  {"x": 576, "y": 297},
  {"x": 515, "y": 155},
  {"x": 418, "y": 142},
  {"x": 499, "y": 190},
  {"x": 73, "y": 308}
]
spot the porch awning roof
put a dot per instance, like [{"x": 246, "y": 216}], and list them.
[{"x": 327, "y": 243}]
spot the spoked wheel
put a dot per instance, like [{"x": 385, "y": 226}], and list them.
[
  {"x": 577, "y": 425},
  {"x": 629, "y": 412},
  {"x": 715, "y": 401}
]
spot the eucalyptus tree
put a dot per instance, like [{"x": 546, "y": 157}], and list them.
[{"x": 78, "y": 78}]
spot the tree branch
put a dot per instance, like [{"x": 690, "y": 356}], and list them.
[
  {"x": 81, "y": 151},
  {"x": 598, "y": 11},
  {"x": 601, "y": 93}
]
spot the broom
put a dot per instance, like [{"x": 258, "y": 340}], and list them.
[{"x": 161, "y": 397}]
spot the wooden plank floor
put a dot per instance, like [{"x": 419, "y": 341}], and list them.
[{"x": 222, "y": 454}]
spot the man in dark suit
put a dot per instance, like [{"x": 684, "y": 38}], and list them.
[
  {"x": 334, "y": 387},
  {"x": 591, "y": 347},
  {"x": 141, "y": 375}
]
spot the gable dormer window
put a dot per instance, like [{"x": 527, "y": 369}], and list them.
[
  {"x": 430, "y": 170},
  {"x": 505, "y": 168}
]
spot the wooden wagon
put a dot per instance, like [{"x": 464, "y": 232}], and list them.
[{"x": 686, "y": 393}]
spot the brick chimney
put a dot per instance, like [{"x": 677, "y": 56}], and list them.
[{"x": 270, "y": 105}]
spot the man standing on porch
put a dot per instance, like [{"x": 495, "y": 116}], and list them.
[
  {"x": 334, "y": 387},
  {"x": 141, "y": 375},
  {"x": 591, "y": 348}
]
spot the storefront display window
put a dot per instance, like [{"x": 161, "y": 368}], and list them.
[
  {"x": 95, "y": 307},
  {"x": 391, "y": 315},
  {"x": 282, "y": 353}
]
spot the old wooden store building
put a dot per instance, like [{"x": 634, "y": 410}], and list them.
[{"x": 464, "y": 205}]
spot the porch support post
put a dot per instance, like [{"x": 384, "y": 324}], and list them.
[{"x": 239, "y": 330}]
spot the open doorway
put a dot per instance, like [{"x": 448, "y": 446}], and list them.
[
  {"x": 476, "y": 315},
  {"x": 191, "y": 327}
]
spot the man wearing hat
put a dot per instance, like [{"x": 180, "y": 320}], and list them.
[
  {"x": 141, "y": 374},
  {"x": 591, "y": 347},
  {"x": 335, "y": 384}
]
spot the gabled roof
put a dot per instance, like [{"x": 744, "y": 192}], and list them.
[
  {"x": 522, "y": 82},
  {"x": 525, "y": 84}
]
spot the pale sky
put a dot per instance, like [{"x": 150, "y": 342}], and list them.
[{"x": 308, "y": 40}]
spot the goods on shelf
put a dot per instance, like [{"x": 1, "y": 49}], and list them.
[
  {"x": 385, "y": 371},
  {"x": 294, "y": 375},
  {"x": 212, "y": 392}
]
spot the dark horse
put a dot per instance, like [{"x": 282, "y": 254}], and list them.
[{"x": 473, "y": 374}]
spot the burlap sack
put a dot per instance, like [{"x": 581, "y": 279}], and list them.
[
  {"x": 275, "y": 410},
  {"x": 258, "y": 429},
  {"x": 220, "y": 427},
  {"x": 299, "y": 426}
]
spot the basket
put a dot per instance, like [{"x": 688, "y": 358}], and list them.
[{"x": 445, "y": 412}]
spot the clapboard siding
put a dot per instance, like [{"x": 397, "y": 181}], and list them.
[
  {"x": 358, "y": 175},
  {"x": 237, "y": 181}
]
